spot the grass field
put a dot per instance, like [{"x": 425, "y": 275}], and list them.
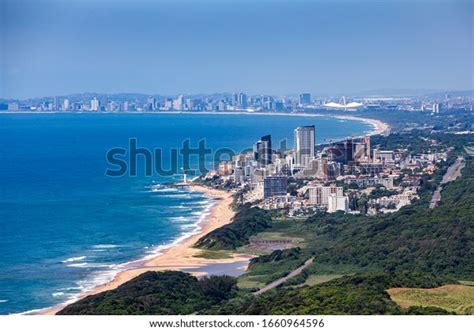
[
  {"x": 260, "y": 249},
  {"x": 453, "y": 298},
  {"x": 319, "y": 279},
  {"x": 210, "y": 254},
  {"x": 249, "y": 282}
]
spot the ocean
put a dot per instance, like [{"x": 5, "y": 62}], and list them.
[{"x": 66, "y": 227}]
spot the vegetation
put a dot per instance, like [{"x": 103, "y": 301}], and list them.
[
  {"x": 157, "y": 293},
  {"x": 380, "y": 192},
  {"x": 454, "y": 298},
  {"x": 267, "y": 268},
  {"x": 247, "y": 222},
  {"x": 358, "y": 294},
  {"x": 211, "y": 254}
]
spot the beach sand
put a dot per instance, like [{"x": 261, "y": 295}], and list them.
[{"x": 179, "y": 256}]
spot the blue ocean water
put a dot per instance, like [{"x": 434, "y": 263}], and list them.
[{"x": 65, "y": 226}]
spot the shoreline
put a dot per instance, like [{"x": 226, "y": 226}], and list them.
[
  {"x": 177, "y": 256},
  {"x": 380, "y": 127}
]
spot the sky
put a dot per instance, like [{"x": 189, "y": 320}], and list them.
[{"x": 53, "y": 47}]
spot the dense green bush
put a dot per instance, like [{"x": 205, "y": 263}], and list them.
[
  {"x": 157, "y": 293},
  {"x": 247, "y": 222}
]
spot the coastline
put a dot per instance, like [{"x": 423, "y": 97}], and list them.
[{"x": 175, "y": 257}]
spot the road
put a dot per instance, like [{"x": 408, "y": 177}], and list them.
[
  {"x": 453, "y": 172},
  {"x": 281, "y": 280}
]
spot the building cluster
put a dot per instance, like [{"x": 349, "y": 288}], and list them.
[
  {"x": 222, "y": 102},
  {"x": 340, "y": 176},
  {"x": 231, "y": 102}
]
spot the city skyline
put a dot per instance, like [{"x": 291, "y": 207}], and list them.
[{"x": 278, "y": 47}]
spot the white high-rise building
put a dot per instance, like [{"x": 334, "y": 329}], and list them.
[
  {"x": 304, "y": 145},
  {"x": 336, "y": 203},
  {"x": 178, "y": 103},
  {"x": 66, "y": 104},
  {"x": 94, "y": 104}
]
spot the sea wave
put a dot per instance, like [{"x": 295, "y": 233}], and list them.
[
  {"x": 91, "y": 265},
  {"x": 181, "y": 208},
  {"x": 175, "y": 196},
  {"x": 104, "y": 246},
  {"x": 162, "y": 188},
  {"x": 3, "y": 301},
  {"x": 78, "y": 265},
  {"x": 179, "y": 219},
  {"x": 188, "y": 226},
  {"x": 73, "y": 259},
  {"x": 198, "y": 203}
]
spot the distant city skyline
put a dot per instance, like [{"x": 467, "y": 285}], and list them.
[{"x": 188, "y": 47}]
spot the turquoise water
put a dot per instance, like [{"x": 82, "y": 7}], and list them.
[{"x": 65, "y": 226}]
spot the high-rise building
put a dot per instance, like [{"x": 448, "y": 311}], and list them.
[
  {"x": 178, "y": 103},
  {"x": 341, "y": 152},
  {"x": 221, "y": 105},
  {"x": 124, "y": 106},
  {"x": 435, "y": 108},
  {"x": 190, "y": 104},
  {"x": 319, "y": 194},
  {"x": 366, "y": 141},
  {"x": 337, "y": 203},
  {"x": 361, "y": 149},
  {"x": 235, "y": 99},
  {"x": 278, "y": 105},
  {"x": 55, "y": 104},
  {"x": 304, "y": 145},
  {"x": 243, "y": 100},
  {"x": 151, "y": 104},
  {"x": 66, "y": 104},
  {"x": 266, "y": 156},
  {"x": 305, "y": 99},
  {"x": 110, "y": 106},
  {"x": 262, "y": 151},
  {"x": 274, "y": 185},
  {"x": 383, "y": 156},
  {"x": 321, "y": 169},
  {"x": 95, "y": 104}
]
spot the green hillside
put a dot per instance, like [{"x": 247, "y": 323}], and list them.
[{"x": 157, "y": 293}]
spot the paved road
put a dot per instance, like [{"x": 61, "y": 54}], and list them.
[
  {"x": 280, "y": 281},
  {"x": 453, "y": 172}
]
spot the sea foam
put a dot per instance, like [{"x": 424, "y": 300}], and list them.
[{"x": 73, "y": 259}]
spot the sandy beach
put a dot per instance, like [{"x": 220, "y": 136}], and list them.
[{"x": 180, "y": 256}]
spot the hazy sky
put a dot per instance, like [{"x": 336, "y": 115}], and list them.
[{"x": 52, "y": 47}]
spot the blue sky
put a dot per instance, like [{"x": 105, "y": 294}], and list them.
[{"x": 52, "y": 47}]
